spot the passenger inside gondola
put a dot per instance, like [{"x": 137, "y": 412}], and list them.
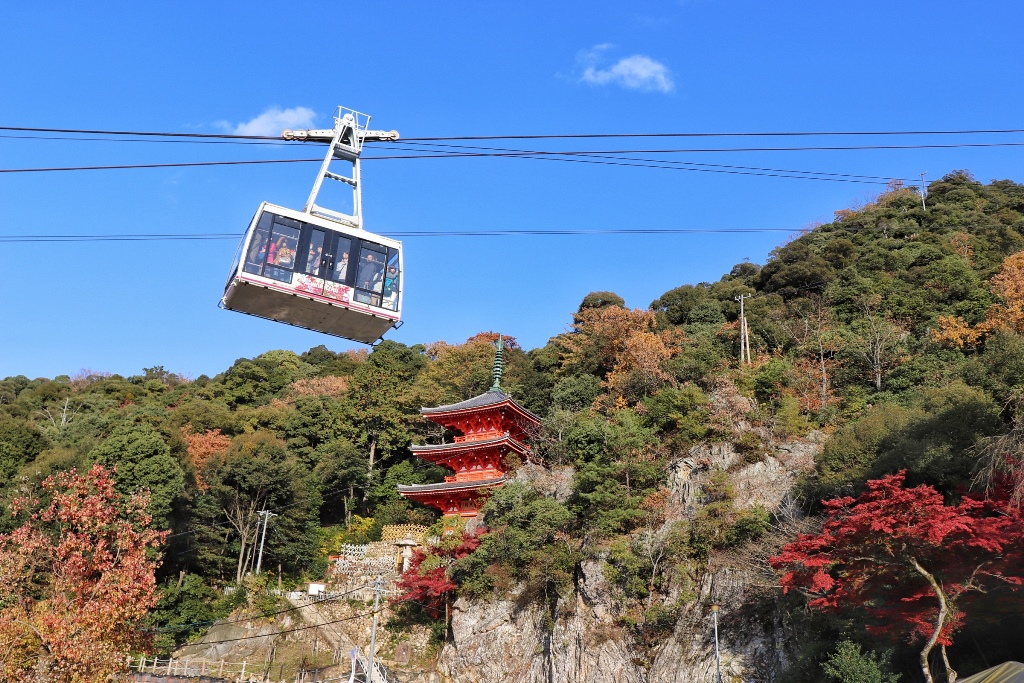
[
  {"x": 341, "y": 268},
  {"x": 390, "y": 293},
  {"x": 370, "y": 271},
  {"x": 254, "y": 259},
  {"x": 285, "y": 257},
  {"x": 313, "y": 259}
]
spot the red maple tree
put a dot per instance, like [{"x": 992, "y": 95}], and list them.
[
  {"x": 76, "y": 580},
  {"x": 907, "y": 558},
  {"x": 427, "y": 582}
]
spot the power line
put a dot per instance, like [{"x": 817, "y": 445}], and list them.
[
  {"x": 613, "y": 161},
  {"x": 292, "y": 630},
  {"x": 117, "y": 238},
  {"x": 672, "y": 165},
  {"x": 171, "y": 165},
  {"x": 199, "y": 141},
  {"x": 538, "y": 154},
  {"x": 688, "y": 163},
  {"x": 15, "y": 239},
  {"x": 568, "y": 136},
  {"x": 218, "y": 622},
  {"x": 698, "y": 150},
  {"x": 584, "y": 136},
  {"x": 81, "y": 131}
]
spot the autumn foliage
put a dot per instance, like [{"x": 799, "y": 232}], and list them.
[
  {"x": 76, "y": 580},
  {"x": 427, "y": 582},
  {"x": 1007, "y": 314},
  {"x": 203, "y": 446},
  {"x": 906, "y": 558}
]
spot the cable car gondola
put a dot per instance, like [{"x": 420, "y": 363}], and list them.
[{"x": 317, "y": 268}]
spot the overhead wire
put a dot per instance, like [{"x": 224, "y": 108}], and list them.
[
  {"x": 273, "y": 143},
  {"x": 567, "y": 136},
  {"x": 293, "y": 630},
  {"x": 15, "y": 239},
  {"x": 688, "y": 163},
  {"x": 585, "y": 136},
  {"x": 525, "y": 153},
  {"x": 120, "y": 167},
  {"x": 698, "y": 150},
  {"x": 218, "y": 622},
  {"x": 85, "y": 131},
  {"x": 602, "y": 157}
]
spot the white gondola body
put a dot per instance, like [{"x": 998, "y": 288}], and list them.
[{"x": 316, "y": 273}]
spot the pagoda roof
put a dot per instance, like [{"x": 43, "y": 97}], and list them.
[
  {"x": 450, "y": 486},
  {"x": 469, "y": 445},
  {"x": 490, "y": 397}
]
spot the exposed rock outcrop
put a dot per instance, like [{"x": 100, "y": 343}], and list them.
[
  {"x": 498, "y": 642},
  {"x": 581, "y": 640}
]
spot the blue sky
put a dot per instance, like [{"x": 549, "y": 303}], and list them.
[{"x": 455, "y": 68}]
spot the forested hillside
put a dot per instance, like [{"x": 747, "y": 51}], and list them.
[{"x": 892, "y": 334}]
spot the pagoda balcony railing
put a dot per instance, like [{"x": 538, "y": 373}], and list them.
[
  {"x": 482, "y": 436},
  {"x": 473, "y": 476}
]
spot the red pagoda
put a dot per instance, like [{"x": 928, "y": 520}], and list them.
[{"x": 488, "y": 428}]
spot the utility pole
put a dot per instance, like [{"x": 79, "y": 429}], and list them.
[
  {"x": 746, "y": 337},
  {"x": 718, "y": 658},
  {"x": 370, "y": 677},
  {"x": 923, "y": 207},
  {"x": 266, "y": 515},
  {"x": 744, "y": 334}
]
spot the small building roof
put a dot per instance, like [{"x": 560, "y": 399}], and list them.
[
  {"x": 491, "y": 397},
  {"x": 488, "y": 398}
]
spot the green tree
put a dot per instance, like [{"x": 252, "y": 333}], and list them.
[
  {"x": 257, "y": 473},
  {"x": 600, "y": 300},
  {"x": 375, "y": 409},
  {"x": 142, "y": 460},
  {"x": 849, "y": 665}
]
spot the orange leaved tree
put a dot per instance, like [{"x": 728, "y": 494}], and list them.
[{"x": 76, "y": 580}]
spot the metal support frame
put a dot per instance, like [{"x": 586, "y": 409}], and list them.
[{"x": 345, "y": 142}]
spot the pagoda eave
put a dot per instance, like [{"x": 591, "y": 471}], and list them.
[
  {"x": 462, "y": 498},
  {"x": 439, "y": 453}
]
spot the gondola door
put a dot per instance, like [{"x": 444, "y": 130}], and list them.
[
  {"x": 316, "y": 248},
  {"x": 338, "y": 272}
]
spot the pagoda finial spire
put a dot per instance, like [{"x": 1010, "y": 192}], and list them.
[{"x": 499, "y": 365}]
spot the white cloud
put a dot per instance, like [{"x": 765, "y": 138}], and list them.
[
  {"x": 637, "y": 72},
  {"x": 274, "y": 120}
]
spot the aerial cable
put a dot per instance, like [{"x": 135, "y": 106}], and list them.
[
  {"x": 118, "y": 238},
  {"x": 633, "y": 162},
  {"x": 569, "y": 136},
  {"x": 584, "y": 136},
  {"x": 654, "y": 163},
  {"x": 13, "y": 239},
  {"x": 272, "y": 143},
  {"x": 606, "y": 161},
  {"x": 685, "y": 163},
  {"x": 698, "y": 150},
  {"x": 170, "y": 165},
  {"x": 140, "y": 133}
]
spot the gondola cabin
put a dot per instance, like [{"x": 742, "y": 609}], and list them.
[
  {"x": 313, "y": 272},
  {"x": 318, "y": 268}
]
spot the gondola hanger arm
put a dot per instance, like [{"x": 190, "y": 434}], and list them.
[{"x": 327, "y": 134}]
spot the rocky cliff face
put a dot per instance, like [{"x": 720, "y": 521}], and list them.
[
  {"x": 581, "y": 641},
  {"x": 500, "y": 642}
]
